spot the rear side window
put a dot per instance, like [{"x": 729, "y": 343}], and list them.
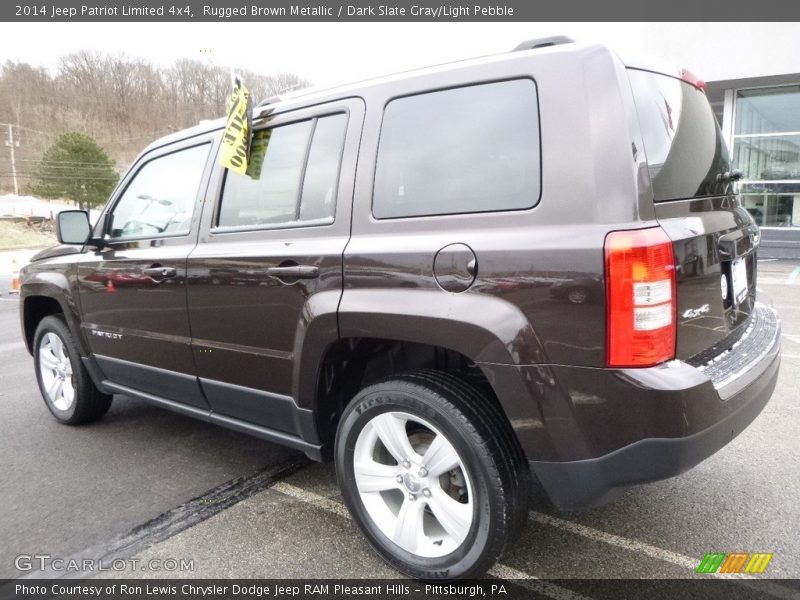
[
  {"x": 684, "y": 147},
  {"x": 297, "y": 181},
  {"x": 463, "y": 150}
]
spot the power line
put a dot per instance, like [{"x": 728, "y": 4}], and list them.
[
  {"x": 35, "y": 131},
  {"x": 11, "y": 176},
  {"x": 78, "y": 167},
  {"x": 65, "y": 162}
]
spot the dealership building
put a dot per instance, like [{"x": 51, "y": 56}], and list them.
[{"x": 752, "y": 72}]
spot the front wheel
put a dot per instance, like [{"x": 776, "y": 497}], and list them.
[
  {"x": 66, "y": 387},
  {"x": 430, "y": 471}
]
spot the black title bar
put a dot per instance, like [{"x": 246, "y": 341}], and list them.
[
  {"x": 399, "y": 10},
  {"x": 709, "y": 588}
]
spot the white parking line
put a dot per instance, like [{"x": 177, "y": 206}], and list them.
[
  {"x": 549, "y": 589},
  {"x": 615, "y": 540},
  {"x": 322, "y": 502},
  {"x": 11, "y": 346},
  {"x": 681, "y": 560},
  {"x": 792, "y": 338},
  {"x": 793, "y": 275},
  {"x": 500, "y": 571}
]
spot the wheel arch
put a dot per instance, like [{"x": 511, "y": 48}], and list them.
[
  {"x": 48, "y": 289},
  {"x": 351, "y": 364},
  {"x": 34, "y": 309},
  {"x": 340, "y": 347}
]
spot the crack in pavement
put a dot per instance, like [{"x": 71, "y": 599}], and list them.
[{"x": 180, "y": 518}]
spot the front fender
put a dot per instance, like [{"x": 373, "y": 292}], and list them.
[{"x": 42, "y": 280}]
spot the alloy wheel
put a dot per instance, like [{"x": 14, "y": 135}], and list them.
[
  {"x": 55, "y": 368},
  {"x": 413, "y": 484}
]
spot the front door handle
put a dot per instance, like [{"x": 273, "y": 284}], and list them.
[
  {"x": 157, "y": 272},
  {"x": 294, "y": 272}
]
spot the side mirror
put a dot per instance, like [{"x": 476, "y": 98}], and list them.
[{"x": 72, "y": 227}]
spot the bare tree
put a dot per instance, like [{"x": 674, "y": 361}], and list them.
[{"x": 120, "y": 101}]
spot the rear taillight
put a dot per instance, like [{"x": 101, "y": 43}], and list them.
[{"x": 640, "y": 298}]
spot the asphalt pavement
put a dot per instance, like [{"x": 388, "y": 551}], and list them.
[
  {"x": 65, "y": 489},
  {"x": 99, "y": 488}
]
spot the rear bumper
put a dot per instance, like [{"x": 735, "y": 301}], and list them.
[{"x": 603, "y": 430}]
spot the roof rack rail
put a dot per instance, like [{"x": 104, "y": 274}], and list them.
[
  {"x": 553, "y": 40},
  {"x": 270, "y": 100}
]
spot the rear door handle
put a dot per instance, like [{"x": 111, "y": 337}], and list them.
[
  {"x": 294, "y": 272},
  {"x": 160, "y": 272}
]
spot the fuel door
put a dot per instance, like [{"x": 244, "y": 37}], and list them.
[{"x": 455, "y": 267}]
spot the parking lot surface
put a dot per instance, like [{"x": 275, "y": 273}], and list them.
[{"x": 74, "y": 488}]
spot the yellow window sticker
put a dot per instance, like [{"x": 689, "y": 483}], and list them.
[{"x": 233, "y": 154}]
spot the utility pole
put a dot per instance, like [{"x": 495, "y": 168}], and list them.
[{"x": 10, "y": 144}]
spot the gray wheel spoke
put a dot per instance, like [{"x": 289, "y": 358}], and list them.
[
  {"x": 55, "y": 370},
  {"x": 55, "y": 389},
  {"x": 408, "y": 530},
  {"x": 58, "y": 347},
  {"x": 392, "y": 432},
  {"x": 440, "y": 456},
  {"x": 454, "y": 517},
  {"x": 48, "y": 359},
  {"x": 375, "y": 477},
  {"x": 68, "y": 392}
]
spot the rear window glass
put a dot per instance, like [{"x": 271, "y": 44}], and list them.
[
  {"x": 684, "y": 147},
  {"x": 463, "y": 150}
]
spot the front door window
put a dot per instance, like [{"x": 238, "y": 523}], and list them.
[{"x": 161, "y": 197}]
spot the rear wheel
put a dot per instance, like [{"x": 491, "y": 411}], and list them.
[
  {"x": 577, "y": 296},
  {"x": 430, "y": 470},
  {"x": 66, "y": 387}
]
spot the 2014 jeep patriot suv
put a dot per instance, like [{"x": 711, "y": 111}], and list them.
[{"x": 457, "y": 283}]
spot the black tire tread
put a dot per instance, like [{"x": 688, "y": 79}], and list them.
[
  {"x": 492, "y": 435},
  {"x": 490, "y": 415}
]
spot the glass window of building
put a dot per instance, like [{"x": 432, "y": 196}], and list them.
[{"x": 766, "y": 146}]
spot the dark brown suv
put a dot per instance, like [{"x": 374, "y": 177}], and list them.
[{"x": 457, "y": 283}]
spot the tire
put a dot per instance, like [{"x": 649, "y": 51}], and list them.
[
  {"x": 578, "y": 295},
  {"x": 66, "y": 387},
  {"x": 454, "y": 521}
]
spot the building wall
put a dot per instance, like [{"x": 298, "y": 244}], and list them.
[{"x": 720, "y": 51}]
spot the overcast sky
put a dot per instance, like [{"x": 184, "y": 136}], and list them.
[
  {"x": 324, "y": 53},
  {"x": 333, "y": 53}
]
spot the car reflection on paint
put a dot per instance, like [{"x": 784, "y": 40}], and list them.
[
  {"x": 114, "y": 278},
  {"x": 581, "y": 290}
]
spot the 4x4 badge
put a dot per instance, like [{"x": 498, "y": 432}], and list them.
[{"x": 696, "y": 312}]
